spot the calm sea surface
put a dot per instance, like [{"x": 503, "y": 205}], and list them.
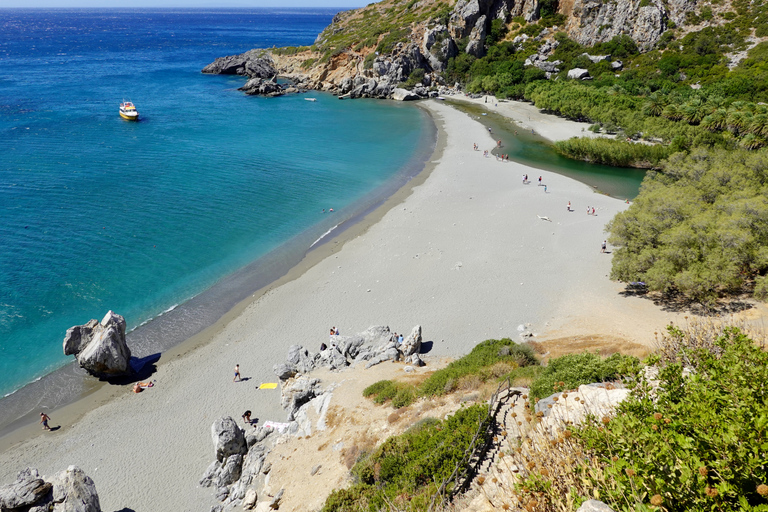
[{"x": 210, "y": 189}]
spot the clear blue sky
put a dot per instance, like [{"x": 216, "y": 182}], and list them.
[{"x": 184, "y": 3}]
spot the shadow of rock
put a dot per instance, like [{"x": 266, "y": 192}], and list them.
[
  {"x": 426, "y": 347},
  {"x": 142, "y": 367},
  {"x": 125, "y": 509}
]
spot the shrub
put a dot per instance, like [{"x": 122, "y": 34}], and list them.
[
  {"x": 698, "y": 442},
  {"x": 485, "y": 354},
  {"x": 613, "y": 152},
  {"x": 407, "y": 469},
  {"x": 572, "y": 370}
]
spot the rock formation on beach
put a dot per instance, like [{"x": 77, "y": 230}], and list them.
[
  {"x": 239, "y": 472},
  {"x": 70, "y": 490},
  {"x": 100, "y": 347}
]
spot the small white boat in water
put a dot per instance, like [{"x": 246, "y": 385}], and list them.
[
  {"x": 310, "y": 99},
  {"x": 128, "y": 111}
]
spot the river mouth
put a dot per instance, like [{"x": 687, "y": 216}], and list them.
[{"x": 530, "y": 149}]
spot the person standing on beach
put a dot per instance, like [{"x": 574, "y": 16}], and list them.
[
  {"x": 44, "y": 419},
  {"x": 539, "y": 180},
  {"x": 545, "y": 189},
  {"x": 237, "y": 373},
  {"x": 604, "y": 245}
]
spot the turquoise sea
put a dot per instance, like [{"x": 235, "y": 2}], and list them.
[
  {"x": 210, "y": 189},
  {"x": 173, "y": 220}
]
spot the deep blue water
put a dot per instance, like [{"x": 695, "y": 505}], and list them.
[{"x": 97, "y": 213}]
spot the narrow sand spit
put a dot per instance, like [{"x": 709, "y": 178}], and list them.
[
  {"x": 528, "y": 117},
  {"x": 466, "y": 255}
]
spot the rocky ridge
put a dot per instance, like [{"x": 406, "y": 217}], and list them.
[{"x": 358, "y": 69}]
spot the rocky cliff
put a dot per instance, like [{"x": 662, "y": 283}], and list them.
[{"x": 378, "y": 49}]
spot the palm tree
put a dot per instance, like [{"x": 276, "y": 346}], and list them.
[
  {"x": 758, "y": 125},
  {"x": 751, "y": 141},
  {"x": 737, "y": 120},
  {"x": 654, "y": 105},
  {"x": 672, "y": 112},
  {"x": 693, "y": 111},
  {"x": 716, "y": 121}
]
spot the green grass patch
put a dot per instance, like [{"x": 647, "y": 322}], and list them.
[
  {"x": 407, "y": 469},
  {"x": 613, "y": 152},
  {"x": 478, "y": 362},
  {"x": 573, "y": 370}
]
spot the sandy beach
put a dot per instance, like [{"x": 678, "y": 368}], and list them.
[
  {"x": 528, "y": 117},
  {"x": 466, "y": 250}
]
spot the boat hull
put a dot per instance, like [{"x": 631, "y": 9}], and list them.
[{"x": 128, "y": 117}]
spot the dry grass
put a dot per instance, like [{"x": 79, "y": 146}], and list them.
[
  {"x": 603, "y": 344},
  {"x": 359, "y": 445},
  {"x": 334, "y": 416},
  {"x": 700, "y": 333}
]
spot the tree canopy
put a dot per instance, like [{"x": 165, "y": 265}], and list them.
[{"x": 699, "y": 227}]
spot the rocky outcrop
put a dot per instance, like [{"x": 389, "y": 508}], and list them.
[
  {"x": 263, "y": 87},
  {"x": 373, "y": 346},
  {"x": 68, "y": 491},
  {"x": 100, "y": 347},
  {"x": 595, "y": 21},
  {"x": 253, "y": 64},
  {"x": 578, "y": 74}
]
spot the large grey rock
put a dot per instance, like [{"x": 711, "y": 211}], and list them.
[
  {"x": 74, "y": 491},
  {"x": 100, "y": 347},
  {"x": 263, "y": 87},
  {"x": 284, "y": 371},
  {"x": 253, "y": 63},
  {"x": 596, "y": 58},
  {"x": 228, "y": 439},
  {"x": 578, "y": 73},
  {"x": 476, "y": 43},
  {"x": 594, "y": 506},
  {"x": 299, "y": 393},
  {"x": 28, "y": 489},
  {"x": 412, "y": 343},
  {"x": 300, "y": 358},
  {"x": 403, "y": 95}
]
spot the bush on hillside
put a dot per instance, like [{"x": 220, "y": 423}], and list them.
[
  {"x": 696, "y": 442},
  {"x": 572, "y": 370},
  {"x": 406, "y": 470}
]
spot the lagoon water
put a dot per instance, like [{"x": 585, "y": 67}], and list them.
[{"x": 210, "y": 189}]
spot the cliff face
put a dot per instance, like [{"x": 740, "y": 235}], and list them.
[
  {"x": 369, "y": 52},
  {"x": 595, "y": 21}
]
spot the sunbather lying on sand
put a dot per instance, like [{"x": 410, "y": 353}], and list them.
[{"x": 141, "y": 386}]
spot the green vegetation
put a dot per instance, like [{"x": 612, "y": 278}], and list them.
[
  {"x": 694, "y": 439},
  {"x": 407, "y": 470},
  {"x": 573, "y": 370},
  {"x": 378, "y": 25},
  {"x": 698, "y": 442},
  {"x": 699, "y": 227},
  {"x": 491, "y": 360},
  {"x": 613, "y": 152}
]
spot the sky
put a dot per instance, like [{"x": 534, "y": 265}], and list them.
[{"x": 347, "y": 4}]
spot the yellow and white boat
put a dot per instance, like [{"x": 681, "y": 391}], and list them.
[{"x": 128, "y": 111}]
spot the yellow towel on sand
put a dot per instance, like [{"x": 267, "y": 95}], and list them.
[{"x": 268, "y": 385}]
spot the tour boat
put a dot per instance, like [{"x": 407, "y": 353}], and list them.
[
  {"x": 128, "y": 111},
  {"x": 310, "y": 99}
]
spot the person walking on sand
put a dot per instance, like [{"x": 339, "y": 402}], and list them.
[
  {"x": 539, "y": 180},
  {"x": 569, "y": 206},
  {"x": 604, "y": 244},
  {"x": 44, "y": 419},
  {"x": 545, "y": 189},
  {"x": 237, "y": 373}
]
